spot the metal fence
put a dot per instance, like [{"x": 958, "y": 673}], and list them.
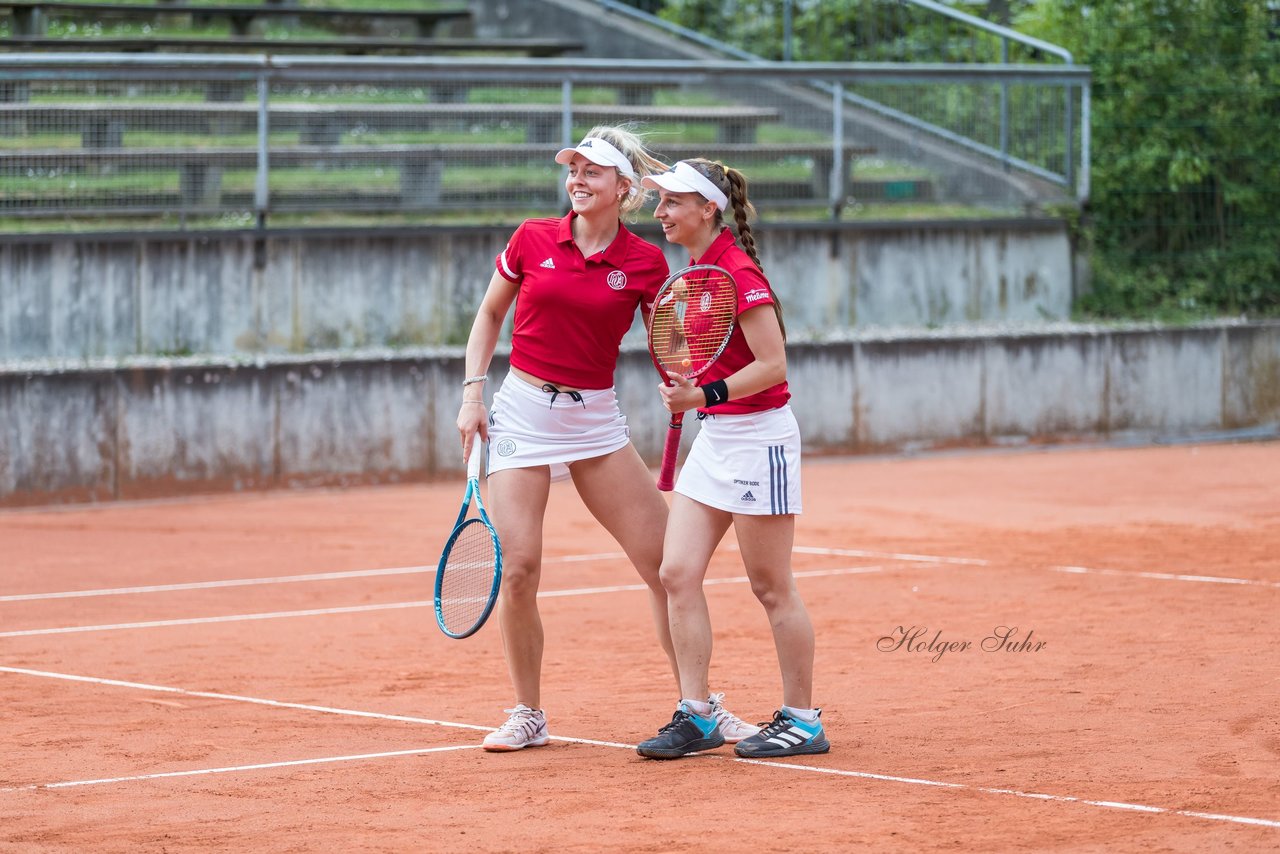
[
  {"x": 851, "y": 31},
  {"x": 232, "y": 140},
  {"x": 1041, "y": 130}
]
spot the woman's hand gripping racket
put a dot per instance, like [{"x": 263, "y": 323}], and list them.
[
  {"x": 692, "y": 319},
  {"x": 470, "y": 569}
]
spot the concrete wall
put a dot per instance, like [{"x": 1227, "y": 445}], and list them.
[
  {"x": 164, "y": 427},
  {"x": 80, "y": 297}
]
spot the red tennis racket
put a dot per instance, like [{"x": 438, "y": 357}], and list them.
[{"x": 692, "y": 319}]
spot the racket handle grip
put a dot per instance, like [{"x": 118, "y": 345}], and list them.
[{"x": 667, "y": 474}]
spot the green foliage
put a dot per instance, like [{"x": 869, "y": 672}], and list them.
[
  {"x": 754, "y": 23},
  {"x": 1184, "y": 218},
  {"x": 836, "y": 30}
]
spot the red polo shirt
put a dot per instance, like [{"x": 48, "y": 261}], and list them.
[
  {"x": 753, "y": 292},
  {"x": 571, "y": 312}
]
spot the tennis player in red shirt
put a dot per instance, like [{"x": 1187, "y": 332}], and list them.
[
  {"x": 742, "y": 470},
  {"x": 580, "y": 280}
]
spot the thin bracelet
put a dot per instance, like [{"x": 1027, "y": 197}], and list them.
[
  {"x": 479, "y": 378},
  {"x": 481, "y": 402}
]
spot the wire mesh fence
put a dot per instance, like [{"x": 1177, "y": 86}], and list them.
[{"x": 233, "y": 140}]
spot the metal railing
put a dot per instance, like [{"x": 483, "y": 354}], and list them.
[
  {"x": 927, "y": 32},
  {"x": 233, "y": 139}
]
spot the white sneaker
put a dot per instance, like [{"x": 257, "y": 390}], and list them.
[
  {"x": 733, "y": 728},
  {"x": 525, "y": 728}
]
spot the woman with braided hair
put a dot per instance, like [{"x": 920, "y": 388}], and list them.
[{"x": 743, "y": 470}]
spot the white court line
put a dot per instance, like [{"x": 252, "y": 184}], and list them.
[
  {"x": 810, "y": 769},
  {"x": 814, "y": 550},
  {"x": 1165, "y": 576},
  {"x": 1077, "y": 570},
  {"x": 229, "y": 618},
  {"x": 278, "y": 579},
  {"x": 386, "y": 606},
  {"x": 1039, "y": 796},
  {"x": 234, "y": 768},
  {"x": 737, "y": 579},
  {"x": 209, "y": 585},
  {"x": 214, "y": 695}
]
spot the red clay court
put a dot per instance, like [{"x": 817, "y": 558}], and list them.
[{"x": 263, "y": 671}]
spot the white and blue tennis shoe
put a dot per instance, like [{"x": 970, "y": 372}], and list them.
[{"x": 785, "y": 736}]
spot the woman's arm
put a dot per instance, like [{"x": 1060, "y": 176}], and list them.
[
  {"x": 481, "y": 343},
  {"x": 764, "y": 336}
]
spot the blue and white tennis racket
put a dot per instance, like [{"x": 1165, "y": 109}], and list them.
[{"x": 470, "y": 569}]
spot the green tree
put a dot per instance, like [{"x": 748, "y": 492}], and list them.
[
  {"x": 753, "y": 25},
  {"x": 834, "y": 30},
  {"x": 1184, "y": 216},
  {"x": 1185, "y": 211}
]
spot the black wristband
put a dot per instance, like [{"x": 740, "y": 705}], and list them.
[{"x": 716, "y": 392}]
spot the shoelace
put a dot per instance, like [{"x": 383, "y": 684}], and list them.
[
  {"x": 779, "y": 723},
  {"x": 720, "y": 713},
  {"x": 520, "y": 719},
  {"x": 678, "y": 718},
  {"x": 555, "y": 392}
]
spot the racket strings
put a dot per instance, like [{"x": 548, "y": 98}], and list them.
[
  {"x": 692, "y": 322},
  {"x": 467, "y": 577}
]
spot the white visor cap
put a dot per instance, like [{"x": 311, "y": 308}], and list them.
[
  {"x": 683, "y": 178},
  {"x": 599, "y": 152}
]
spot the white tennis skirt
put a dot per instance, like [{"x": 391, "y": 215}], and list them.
[
  {"x": 532, "y": 427},
  {"x": 746, "y": 464}
]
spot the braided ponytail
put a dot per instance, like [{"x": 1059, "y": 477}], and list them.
[{"x": 743, "y": 211}]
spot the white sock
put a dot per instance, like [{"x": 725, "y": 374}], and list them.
[
  {"x": 809, "y": 716},
  {"x": 698, "y": 707}
]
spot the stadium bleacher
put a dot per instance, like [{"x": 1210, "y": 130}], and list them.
[
  {"x": 112, "y": 147},
  {"x": 32, "y": 17}
]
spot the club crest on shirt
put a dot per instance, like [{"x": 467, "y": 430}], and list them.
[
  {"x": 757, "y": 294},
  {"x": 705, "y": 302},
  {"x": 617, "y": 280}
]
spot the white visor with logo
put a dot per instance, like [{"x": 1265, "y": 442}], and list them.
[
  {"x": 683, "y": 178},
  {"x": 599, "y": 152}
]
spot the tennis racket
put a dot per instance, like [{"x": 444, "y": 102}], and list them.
[
  {"x": 470, "y": 569},
  {"x": 692, "y": 319}
]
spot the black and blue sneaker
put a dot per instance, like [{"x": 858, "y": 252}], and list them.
[
  {"x": 687, "y": 733},
  {"x": 785, "y": 736}
]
